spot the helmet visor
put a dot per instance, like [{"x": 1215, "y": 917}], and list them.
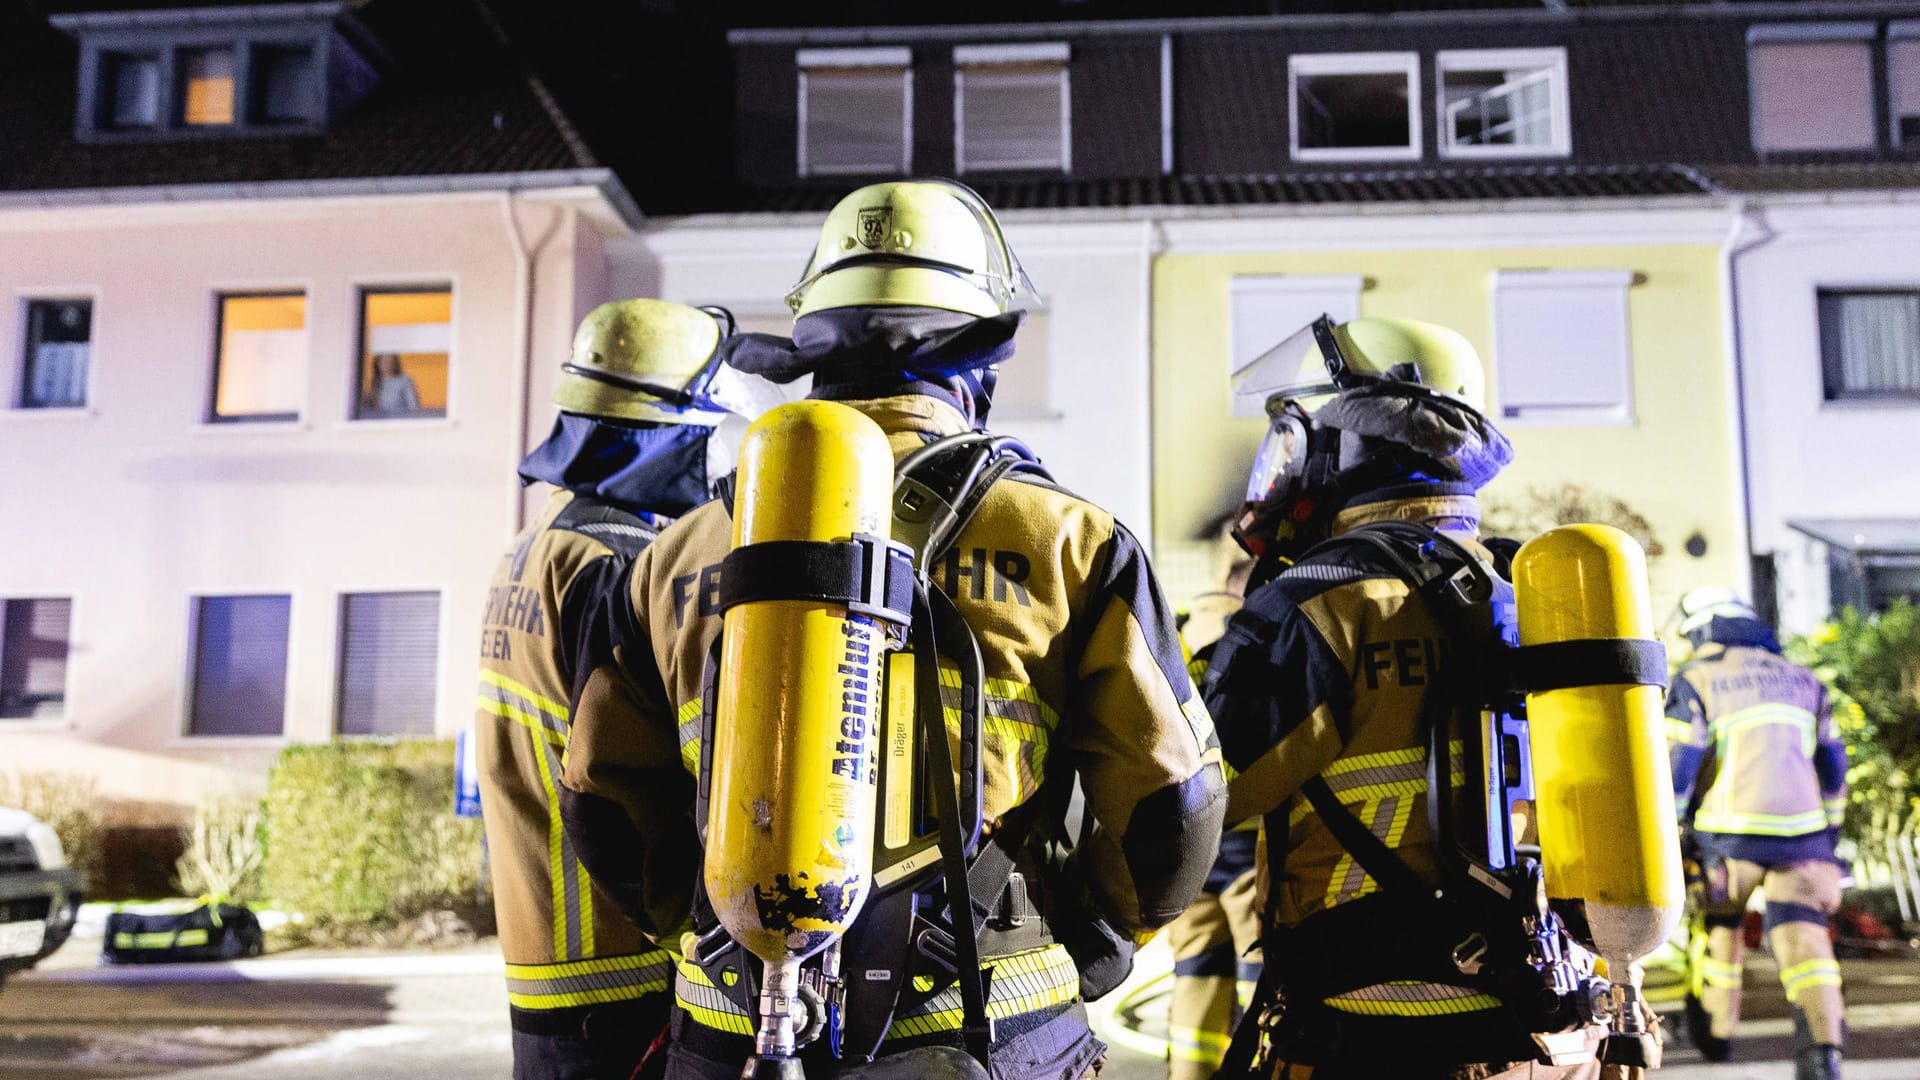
[
  {"x": 1290, "y": 370},
  {"x": 1281, "y": 461}
]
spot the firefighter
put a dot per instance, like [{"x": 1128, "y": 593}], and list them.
[
  {"x": 1216, "y": 941},
  {"x": 1320, "y": 688},
  {"x": 1759, "y": 774},
  {"x": 586, "y": 986},
  {"x": 910, "y": 301}
]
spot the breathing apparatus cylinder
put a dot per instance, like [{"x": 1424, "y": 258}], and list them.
[
  {"x": 790, "y": 825},
  {"x": 1603, "y": 785}
]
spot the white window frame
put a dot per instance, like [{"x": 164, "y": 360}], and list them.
[
  {"x": 1367, "y": 63},
  {"x": 965, "y": 56},
  {"x": 1046, "y": 409},
  {"x": 16, "y": 366},
  {"x": 1283, "y": 285},
  {"x": 65, "y": 719},
  {"x": 360, "y": 287},
  {"x": 1620, "y": 414},
  {"x": 218, "y": 294},
  {"x": 898, "y": 57},
  {"x": 1554, "y": 60},
  {"x": 189, "y": 661},
  {"x": 338, "y": 671}
]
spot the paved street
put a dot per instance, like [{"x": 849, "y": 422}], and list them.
[{"x": 426, "y": 1016}]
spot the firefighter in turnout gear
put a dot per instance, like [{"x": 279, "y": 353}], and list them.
[
  {"x": 1324, "y": 687},
  {"x": 1760, "y": 777},
  {"x": 587, "y": 988},
  {"x": 1215, "y": 942},
  {"x": 910, "y": 301}
]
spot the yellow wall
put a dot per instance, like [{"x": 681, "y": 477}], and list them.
[{"x": 1675, "y": 464}]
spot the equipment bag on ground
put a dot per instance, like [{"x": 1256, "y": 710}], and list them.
[{"x": 211, "y": 931}]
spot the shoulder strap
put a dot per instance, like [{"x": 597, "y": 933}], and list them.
[{"x": 941, "y": 486}]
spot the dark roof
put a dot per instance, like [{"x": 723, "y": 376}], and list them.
[
  {"x": 1822, "y": 176},
  {"x": 1373, "y": 186},
  {"x": 452, "y": 101}
]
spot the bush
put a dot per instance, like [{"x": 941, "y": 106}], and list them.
[
  {"x": 1540, "y": 509},
  {"x": 363, "y": 833},
  {"x": 1871, "y": 665},
  {"x": 223, "y": 851},
  {"x": 71, "y": 804}
]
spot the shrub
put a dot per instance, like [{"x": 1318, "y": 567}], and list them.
[
  {"x": 1871, "y": 665},
  {"x": 363, "y": 833},
  {"x": 1540, "y": 509},
  {"x": 223, "y": 851},
  {"x": 69, "y": 803}
]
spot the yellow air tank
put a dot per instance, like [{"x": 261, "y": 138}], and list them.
[
  {"x": 790, "y": 821},
  {"x": 1603, "y": 784}
]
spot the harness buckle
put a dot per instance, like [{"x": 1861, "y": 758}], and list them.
[{"x": 1471, "y": 954}]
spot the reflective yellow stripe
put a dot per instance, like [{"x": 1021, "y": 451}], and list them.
[
  {"x": 553, "y": 708},
  {"x": 1412, "y": 999},
  {"x": 1196, "y": 1044},
  {"x": 1719, "y": 972},
  {"x": 1022, "y": 983},
  {"x": 1679, "y": 732},
  {"x": 588, "y": 982},
  {"x": 1836, "y": 811},
  {"x": 705, "y": 1004},
  {"x": 1802, "y": 721},
  {"x": 1750, "y": 824},
  {"x": 1809, "y": 973},
  {"x": 533, "y": 723},
  {"x": 556, "y": 867},
  {"x": 688, "y": 730},
  {"x": 160, "y": 939}
]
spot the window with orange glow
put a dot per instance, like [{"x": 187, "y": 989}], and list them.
[
  {"x": 261, "y": 369},
  {"x": 406, "y": 342},
  {"x": 206, "y": 86}
]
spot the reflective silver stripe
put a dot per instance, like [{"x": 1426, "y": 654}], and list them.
[
  {"x": 494, "y": 692},
  {"x": 587, "y": 981},
  {"x": 704, "y": 1002},
  {"x": 688, "y": 730}
]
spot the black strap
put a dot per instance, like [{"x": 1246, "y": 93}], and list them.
[
  {"x": 1592, "y": 662},
  {"x": 1372, "y": 853},
  {"x": 976, "y": 1028},
  {"x": 870, "y": 576},
  {"x": 1238, "y": 1062}
]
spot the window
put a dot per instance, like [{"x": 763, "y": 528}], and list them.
[
  {"x": 1812, "y": 86},
  {"x": 1355, "y": 106},
  {"x": 389, "y": 662},
  {"x": 130, "y": 85},
  {"x": 1011, "y": 108},
  {"x": 261, "y": 368},
  {"x": 1870, "y": 343},
  {"x": 1903, "y": 82},
  {"x": 1269, "y": 308},
  {"x": 53, "y": 368},
  {"x": 405, "y": 338},
  {"x": 286, "y": 85},
  {"x": 206, "y": 86},
  {"x": 239, "y": 652},
  {"x": 1503, "y": 103},
  {"x": 856, "y": 111},
  {"x": 1561, "y": 349},
  {"x": 34, "y": 637}
]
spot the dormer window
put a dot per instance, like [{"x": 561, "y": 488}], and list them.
[{"x": 179, "y": 73}]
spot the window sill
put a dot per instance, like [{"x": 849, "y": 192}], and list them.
[
  {"x": 1567, "y": 418},
  {"x": 61, "y": 412},
  {"x": 1328, "y": 155},
  {"x": 227, "y": 742},
  {"x": 1502, "y": 153},
  {"x": 1027, "y": 412},
  {"x": 397, "y": 423},
  {"x": 27, "y": 725},
  {"x": 255, "y": 427},
  {"x": 1872, "y": 404}
]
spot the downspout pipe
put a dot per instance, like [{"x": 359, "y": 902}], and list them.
[
  {"x": 526, "y": 265},
  {"x": 1732, "y": 250}
]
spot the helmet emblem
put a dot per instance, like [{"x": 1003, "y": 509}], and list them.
[{"x": 875, "y": 223}]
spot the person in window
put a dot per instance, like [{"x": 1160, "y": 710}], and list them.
[
  {"x": 393, "y": 391},
  {"x": 1760, "y": 777}
]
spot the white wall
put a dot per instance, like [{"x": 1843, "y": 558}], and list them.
[
  {"x": 1810, "y": 458},
  {"x": 134, "y": 504},
  {"x": 1092, "y": 276}
]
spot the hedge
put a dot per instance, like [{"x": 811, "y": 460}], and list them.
[{"x": 363, "y": 833}]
